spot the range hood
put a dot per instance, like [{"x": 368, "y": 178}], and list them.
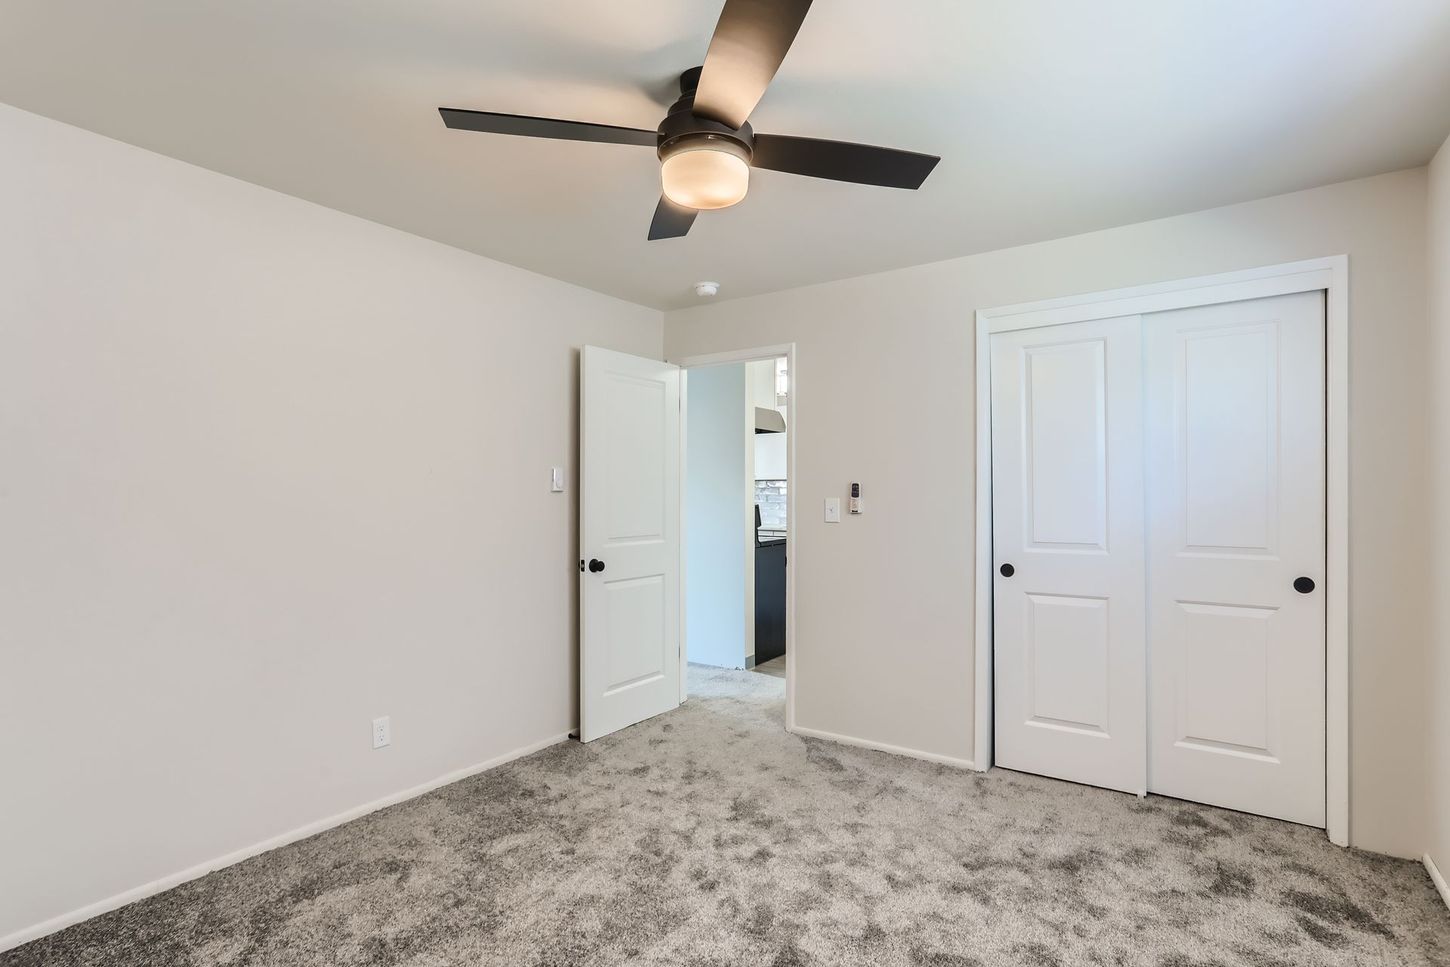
[{"x": 769, "y": 421}]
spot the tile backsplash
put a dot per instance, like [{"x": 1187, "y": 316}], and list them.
[{"x": 770, "y": 495}]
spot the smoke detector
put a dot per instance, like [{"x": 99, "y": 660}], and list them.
[{"x": 707, "y": 289}]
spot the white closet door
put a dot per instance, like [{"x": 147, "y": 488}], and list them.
[
  {"x": 1235, "y": 432},
  {"x": 1067, "y": 494}
]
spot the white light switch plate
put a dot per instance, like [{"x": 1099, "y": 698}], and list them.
[
  {"x": 556, "y": 480},
  {"x": 833, "y": 510}
]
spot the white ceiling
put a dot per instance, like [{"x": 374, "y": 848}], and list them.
[{"x": 1053, "y": 117}]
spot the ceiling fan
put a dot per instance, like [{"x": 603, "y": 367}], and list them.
[{"x": 705, "y": 143}]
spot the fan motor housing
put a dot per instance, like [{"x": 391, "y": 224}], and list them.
[{"x": 682, "y": 126}]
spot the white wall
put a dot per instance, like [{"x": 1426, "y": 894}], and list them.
[
  {"x": 770, "y": 449},
  {"x": 760, "y": 375},
  {"x": 884, "y": 393},
  {"x": 1437, "y": 679},
  {"x": 770, "y": 456},
  {"x": 716, "y": 501},
  {"x": 266, "y": 471}
]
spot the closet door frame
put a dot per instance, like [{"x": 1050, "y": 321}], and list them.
[{"x": 1329, "y": 275}]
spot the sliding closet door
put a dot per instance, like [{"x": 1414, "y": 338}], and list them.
[
  {"x": 1067, "y": 467},
  {"x": 1235, "y": 434}
]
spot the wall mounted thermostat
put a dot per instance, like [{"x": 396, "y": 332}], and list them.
[{"x": 854, "y": 504}]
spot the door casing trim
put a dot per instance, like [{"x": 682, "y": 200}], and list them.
[{"x": 1330, "y": 275}]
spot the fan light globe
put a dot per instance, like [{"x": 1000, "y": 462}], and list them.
[{"x": 705, "y": 175}]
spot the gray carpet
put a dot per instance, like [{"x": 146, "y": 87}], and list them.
[{"x": 709, "y": 836}]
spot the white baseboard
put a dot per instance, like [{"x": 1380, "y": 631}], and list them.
[
  {"x": 1437, "y": 879},
  {"x": 883, "y": 747},
  {"x": 27, "y": 934}
]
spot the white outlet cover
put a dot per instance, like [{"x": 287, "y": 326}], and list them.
[{"x": 382, "y": 732}]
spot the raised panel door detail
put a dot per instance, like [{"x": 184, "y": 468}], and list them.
[
  {"x": 1228, "y": 408},
  {"x": 1067, "y": 656},
  {"x": 1224, "y": 692},
  {"x": 1066, "y": 451},
  {"x": 635, "y": 478},
  {"x": 636, "y": 637}
]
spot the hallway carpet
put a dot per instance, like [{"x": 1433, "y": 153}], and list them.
[{"x": 709, "y": 836}]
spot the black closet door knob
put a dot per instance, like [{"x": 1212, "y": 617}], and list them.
[
  {"x": 1303, "y": 585},
  {"x": 595, "y": 565},
  {"x": 1007, "y": 570}
]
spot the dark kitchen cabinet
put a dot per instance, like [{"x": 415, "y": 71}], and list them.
[{"x": 769, "y": 600}]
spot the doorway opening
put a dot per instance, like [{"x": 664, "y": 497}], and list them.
[
  {"x": 635, "y": 583},
  {"x": 737, "y": 527}
]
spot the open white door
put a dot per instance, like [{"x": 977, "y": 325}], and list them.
[{"x": 629, "y": 540}]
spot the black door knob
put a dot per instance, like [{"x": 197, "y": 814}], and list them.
[
  {"x": 1303, "y": 585},
  {"x": 595, "y": 565},
  {"x": 1007, "y": 570}
]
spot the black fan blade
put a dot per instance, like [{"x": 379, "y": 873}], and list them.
[
  {"x": 864, "y": 164},
  {"x": 671, "y": 220},
  {"x": 528, "y": 127},
  {"x": 750, "y": 41}
]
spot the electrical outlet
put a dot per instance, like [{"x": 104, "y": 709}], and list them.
[{"x": 382, "y": 732}]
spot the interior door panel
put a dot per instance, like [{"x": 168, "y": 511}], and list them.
[
  {"x": 1235, "y": 424},
  {"x": 1068, "y": 542},
  {"x": 629, "y": 540}
]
